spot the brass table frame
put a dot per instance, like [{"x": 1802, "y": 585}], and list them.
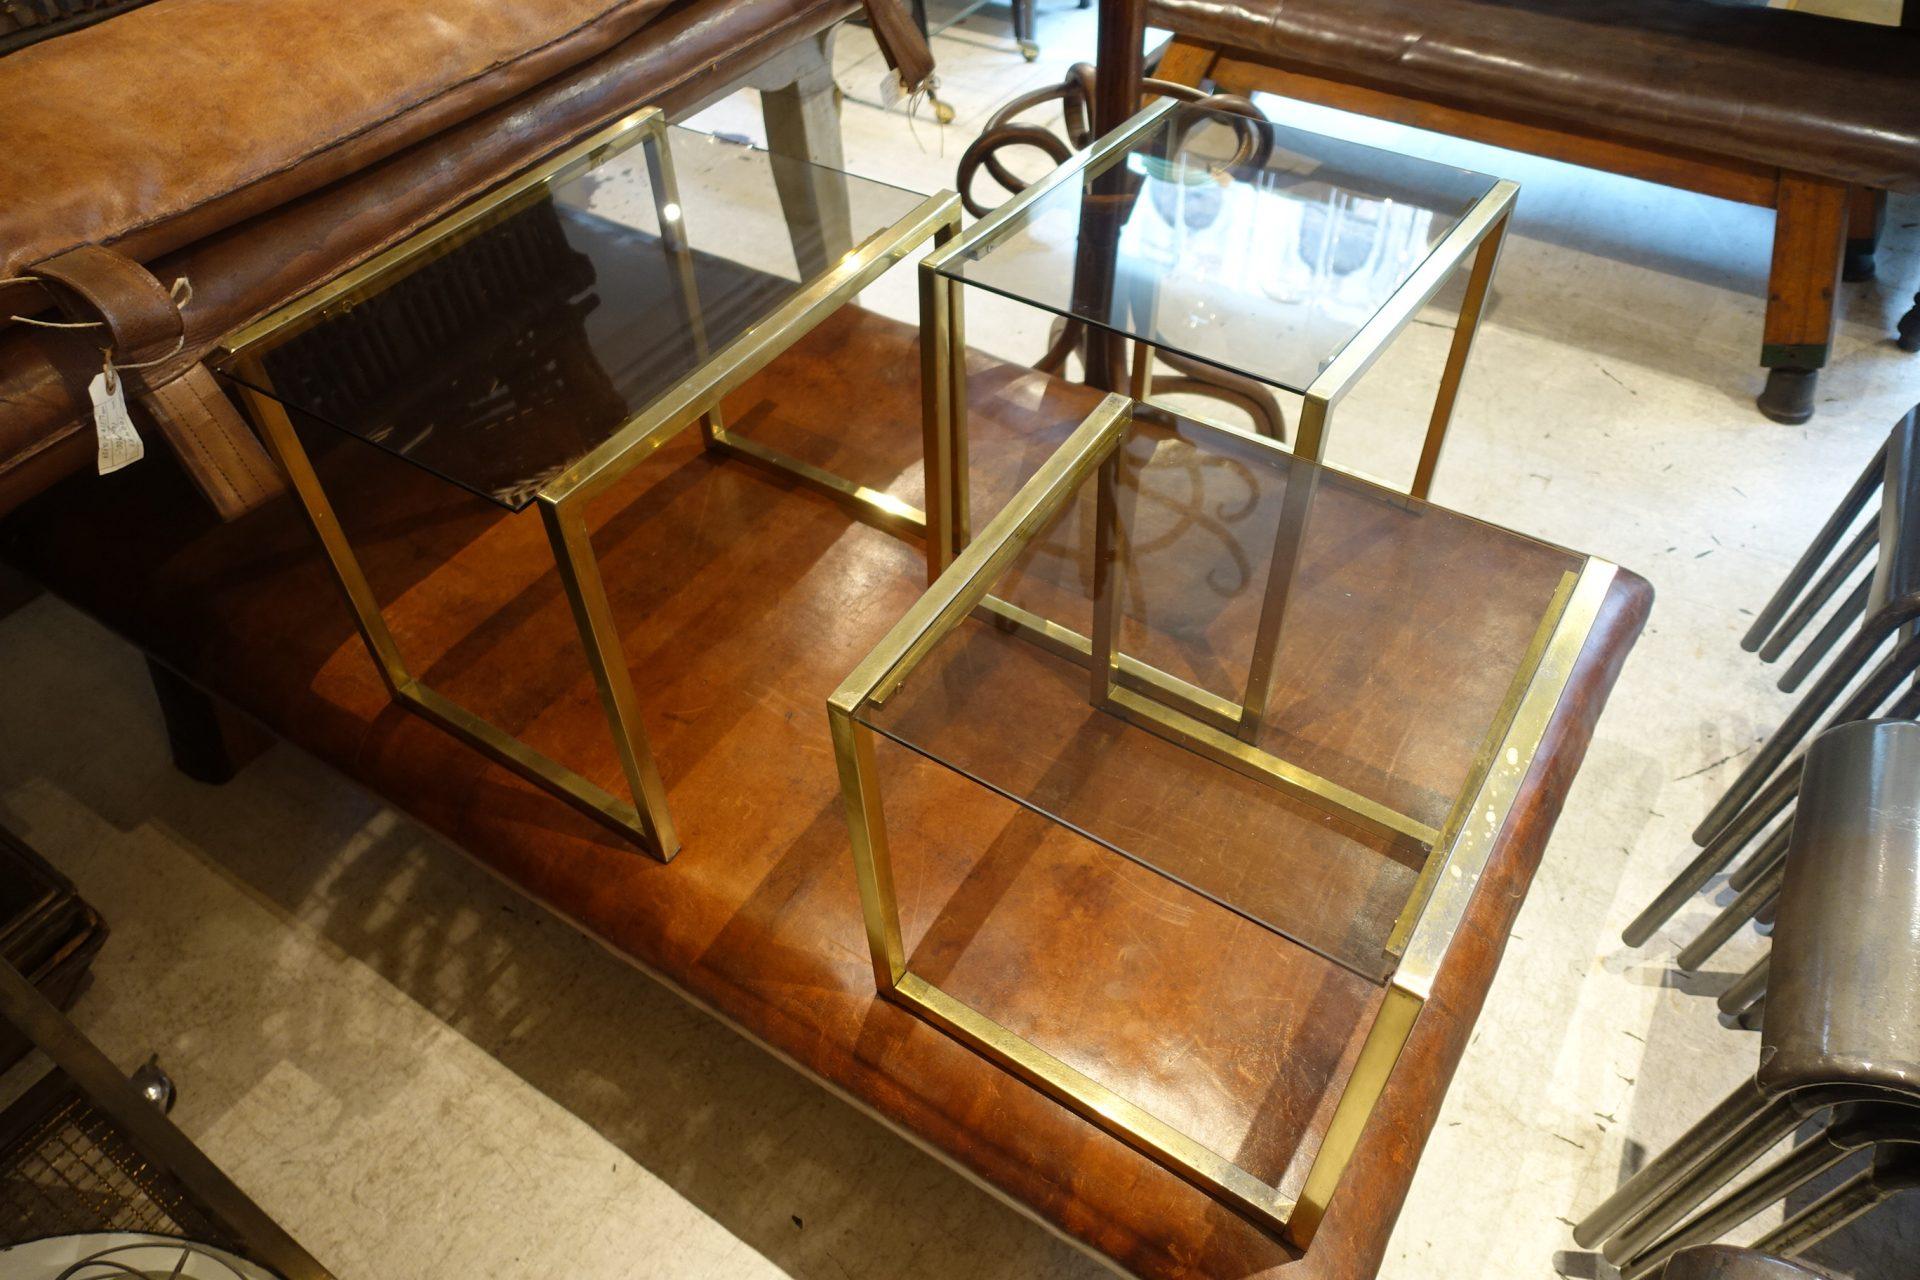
[
  {"x": 1456, "y": 854},
  {"x": 1480, "y": 232},
  {"x": 562, "y": 500}
]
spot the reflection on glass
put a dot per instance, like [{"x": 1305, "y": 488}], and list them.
[
  {"x": 503, "y": 355},
  {"x": 1243, "y": 243},
  {"x": 1199, "y": 513}
]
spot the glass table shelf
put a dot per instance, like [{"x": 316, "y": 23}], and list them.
[
  {"x": 1145, "y": 648},
  {"x": 505, "y": 347},
  {"x": 541, "y": 341},
  {"x": 1264, "y": 251}
]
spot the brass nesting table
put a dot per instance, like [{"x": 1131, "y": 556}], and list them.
[
  {"x": 540, "y": 342},
  {"x": 1142, "y": 648}
]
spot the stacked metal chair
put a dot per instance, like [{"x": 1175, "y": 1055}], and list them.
[
  {"x": 1840, "y": 1032},
  {"x": 1883, "y": 556},
  {"x": 1724, "y": 1262}
]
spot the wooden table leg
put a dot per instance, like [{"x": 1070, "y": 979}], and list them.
[{"x": 1809, "y": 234}]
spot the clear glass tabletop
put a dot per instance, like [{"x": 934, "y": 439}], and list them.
[
  {"x": 501, "y": 349},
  {"x": 1249, "y": 245},
  {"x": 1408, "y": 630}
]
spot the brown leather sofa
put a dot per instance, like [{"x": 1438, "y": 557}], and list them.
[
  {"x": 257, "y": 148},
  {"x": 1813, "y": 117}
]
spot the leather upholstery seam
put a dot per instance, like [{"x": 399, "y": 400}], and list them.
[{"x": 182, "y": 424}]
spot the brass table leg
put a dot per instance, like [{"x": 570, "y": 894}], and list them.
[
  {"x": 1478, "y": 279},
  {"x": 645, "y": 820}
]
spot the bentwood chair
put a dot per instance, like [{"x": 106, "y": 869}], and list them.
[
  {"x": 1885, "y": 603},
  {"x": 1725, "y": 1262},
  {"x": 1842, "y": 1015}
]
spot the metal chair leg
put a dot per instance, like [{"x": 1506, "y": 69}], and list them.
[
  {"x": 1817, "y": 551},
  {"x": 1721, "y": 1166},
  {"x": 1794, "y": 1170},
  {"x": 1853, "y": 1127},
  {"x": 1750, "y": 987},
  {"x": 1746, "y": 1108},
  {"x": 1763, "y": 859},
  {"x": 1713, "y": 859},
  {"x": 1735, "y": 914},
  {"x": 1822, "y": 591},
  {"x": 1780, "y": 791},
  {"x": 1894, "y": 1169},
  {"x": 1844, "y": 619},
  {"x": 1840, "y": 673}
]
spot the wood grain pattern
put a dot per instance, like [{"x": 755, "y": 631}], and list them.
[
  {"x": 1729, "y": 179},
  {"x": 743, "y": 602},
  {"x": 1809, "y": 235}
]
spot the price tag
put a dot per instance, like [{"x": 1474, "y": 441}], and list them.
[
  {"x": 119, "y": 442},
  {"x": 892, "y": 88}
]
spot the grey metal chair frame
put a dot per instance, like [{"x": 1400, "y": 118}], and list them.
[
  {"x": 1726, "y": 1262},
  {"x": 1852, "y": 1127},
  {"x": 1888, "y": 599},
  {"x": 1891, "y": 604},
  {"x": 1842, "y": 1010}
]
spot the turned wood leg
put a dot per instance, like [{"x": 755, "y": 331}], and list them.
[
  {"x": 210, "y": 743},
  {"x": 1866, "y": 219},
  {"x": 1909, "y": 338},
  {"x": 1809, "y": 235},
  {"x": 801, "y": 108}
]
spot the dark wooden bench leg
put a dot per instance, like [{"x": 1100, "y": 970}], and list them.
[
  {"x": 1809, "y": 236},
  {"x": 209, "y": 742},
  {"x": 1866, "y": 219},
  {"x": 1024, "y": 21}
]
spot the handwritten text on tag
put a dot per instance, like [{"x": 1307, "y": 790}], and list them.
[{"x": 119, "y": 442}]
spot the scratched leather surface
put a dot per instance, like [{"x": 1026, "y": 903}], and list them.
[
  {"x": 244, "y": 270},
  {"x": 184, "y": 116},
  {"x": 743, "y": 603},
  {"x": 1801, "y": 92}
]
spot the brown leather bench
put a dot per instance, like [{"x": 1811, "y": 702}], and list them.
[
  {"x": 743, "y": 601},
  {"x": 1813, "y": 117},
  {"x": 259, "y": 147}
]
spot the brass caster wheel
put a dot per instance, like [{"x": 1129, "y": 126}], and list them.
[
  {"x": 1029, "y": 50},
  {"x": 942, "y": 112}
]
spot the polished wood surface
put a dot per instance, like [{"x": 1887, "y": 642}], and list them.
[
  {"x": 1729, "y": 179},
  {"x": 743, "y": 602}
]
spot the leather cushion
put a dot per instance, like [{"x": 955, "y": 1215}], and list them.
[
  {"x": 694, "y": 49},
  {"x": 1797, "y": 91},
  {"x": 188, "y": 115}
]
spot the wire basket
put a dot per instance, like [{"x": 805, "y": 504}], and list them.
[{"x": 66, "y": 1168}]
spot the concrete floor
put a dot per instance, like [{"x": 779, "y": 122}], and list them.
[{"x": 423, "y": 1075}]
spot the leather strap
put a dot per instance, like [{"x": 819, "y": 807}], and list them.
[
  {"x": 902, "y": 43},
  {"x": 214, "y": 444},
  {"x": 94, "y": 283}
]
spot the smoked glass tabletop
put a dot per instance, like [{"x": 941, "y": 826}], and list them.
[
  {"x": 1250, "y": 245},
  {"x": 499, "y": 349},
  {"x": 1408, "y": 630}
]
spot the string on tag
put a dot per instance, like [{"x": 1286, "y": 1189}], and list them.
[
  {"x": 181, "y": 293},
  {"x": 917, "y": 99},
  {"x": 48, "y": 324}
]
